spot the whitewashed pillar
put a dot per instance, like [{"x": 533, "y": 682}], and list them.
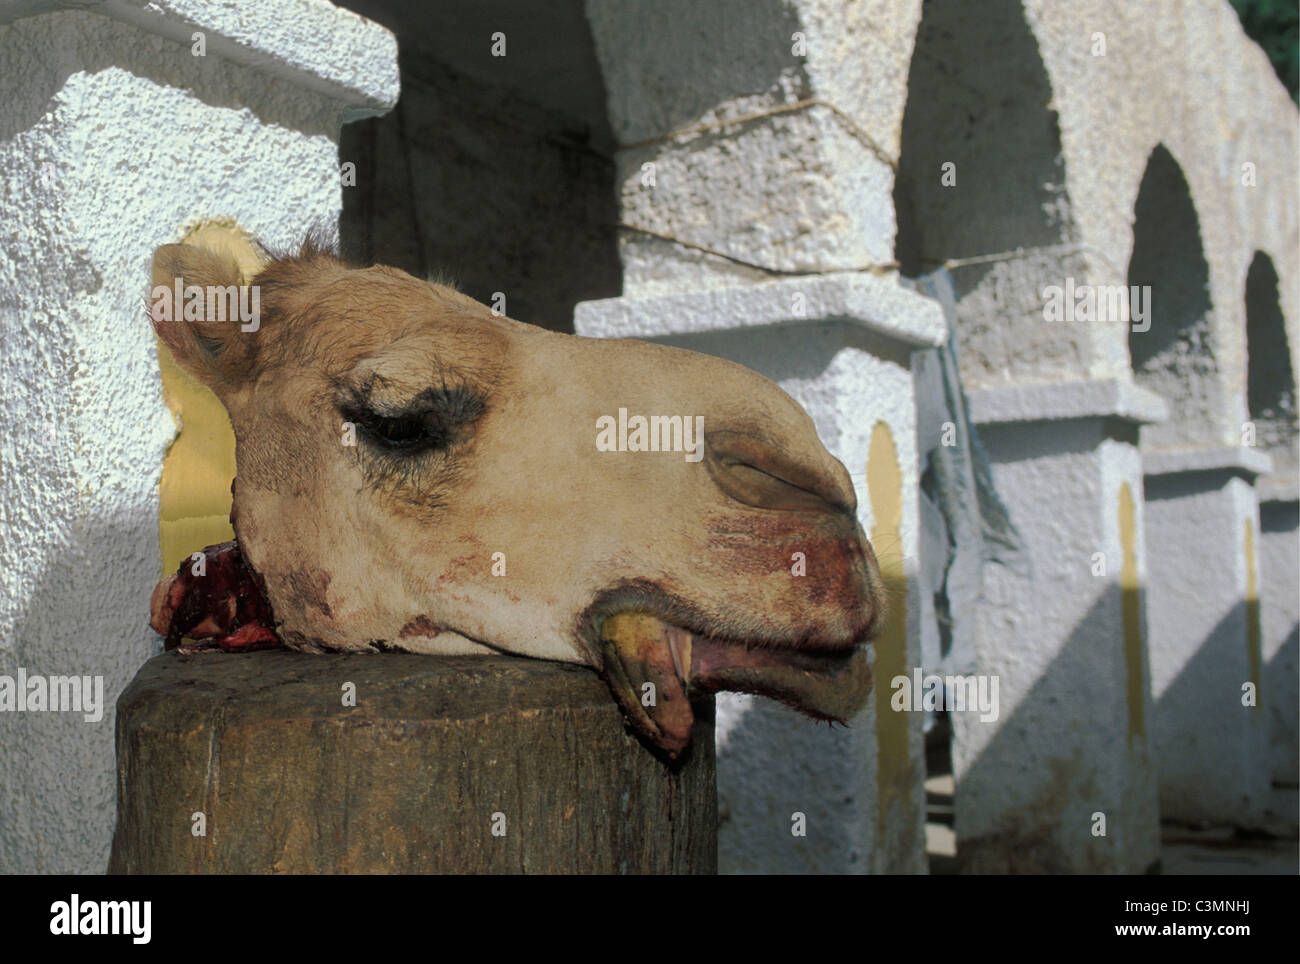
[{"x": 1064, "y": 780}]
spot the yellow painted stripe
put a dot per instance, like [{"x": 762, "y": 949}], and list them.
[
  {"x": 1131, "y": 608},
  {"x": 194, "y": 494},
  {"x": 895, "y": 772}
]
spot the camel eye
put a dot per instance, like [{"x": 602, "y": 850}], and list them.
[
  {"x": 430, "y": 422},
  {"x": 399, "y": 433},
  {"x": 403, "y": 433}
]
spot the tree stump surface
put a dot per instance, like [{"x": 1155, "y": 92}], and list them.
[{"x": 444, "y": 765}]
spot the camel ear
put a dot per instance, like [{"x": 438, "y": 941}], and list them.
[{"x": 204, "y": 306}]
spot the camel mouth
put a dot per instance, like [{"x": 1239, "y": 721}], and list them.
[
  {"x": 654, "y": 667},
  {"x": 655, "y": 651}
]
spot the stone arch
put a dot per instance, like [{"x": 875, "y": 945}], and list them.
[
  {"x": 981, "y": 188},
  {"x": 979, "y": 98},
  {"x": 1173, "y": 351},
  {"x": 1270, "y": 380}
]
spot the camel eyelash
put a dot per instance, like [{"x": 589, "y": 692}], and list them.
[{"x": 430, "y": 422}]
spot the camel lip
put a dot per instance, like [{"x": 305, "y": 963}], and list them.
[
  {"x": 643, "y": 650},
  {"x": 707, "y": 651},
  {"x": 647, "y": 596},
  {"x": 713, "y": 653},
  {"x": 820, "y": 683}
]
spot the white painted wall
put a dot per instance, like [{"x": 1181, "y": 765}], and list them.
[{"x": 112, "y": 139}]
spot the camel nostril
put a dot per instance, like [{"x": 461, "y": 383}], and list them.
[
  {"x": 752, "y": 473},
  {"x": 753, "y": 486}
]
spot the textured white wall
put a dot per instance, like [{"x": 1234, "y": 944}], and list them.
[{"x": 112, "y": 139}]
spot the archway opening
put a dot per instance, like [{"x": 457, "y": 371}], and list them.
[
  {"x": 1270, "y": 380},
  {"x": 981, "y": 181},
  {"x": 495, "y": 170},
  {"x": 1174, "y": 356}
]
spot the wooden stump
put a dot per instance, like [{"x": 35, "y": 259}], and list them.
[{"x": 444, "y": 765}]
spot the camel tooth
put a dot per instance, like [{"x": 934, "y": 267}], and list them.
[{"x": 679, "y": 644}]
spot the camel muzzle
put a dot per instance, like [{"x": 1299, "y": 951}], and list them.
[{"x": 654, "y": 668}]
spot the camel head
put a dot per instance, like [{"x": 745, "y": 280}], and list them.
[{"x": 417, "y": 472}]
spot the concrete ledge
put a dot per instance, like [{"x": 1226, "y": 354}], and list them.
[
  {"x": 311, "y": 43},
  {"x": 441, "y": 765},
  {"x": 1278, "y": 488},
  {"x": 876, "y": 302},
  {"x": 1092, "y": 398},
  {"x": 1244, "y": 461}
]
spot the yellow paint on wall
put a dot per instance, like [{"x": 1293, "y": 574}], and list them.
[
  {"x": 194, "y": 494},
  {"x": 1131, "y": 603},
  {"x": 1253, "y": 636},
  {"x": 895, "y": 772}
]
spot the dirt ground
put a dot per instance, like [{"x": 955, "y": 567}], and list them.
[{"x": 1184, "y": 850}]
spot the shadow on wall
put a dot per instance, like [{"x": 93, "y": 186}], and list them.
[
  {"x": 59, "y": 792},
  {"x": 1280, "y": 690},
  {"x": 1023, "y": 841},
  {"x": 1284, "y": 716},
  {"x": 981, "y": 173},
  {"x": 1175, "y": 357},
  {"x": 1053, "y": 832},
  {"x": 1221, "y": 782},
  {"x": 744, "y": 62}
]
